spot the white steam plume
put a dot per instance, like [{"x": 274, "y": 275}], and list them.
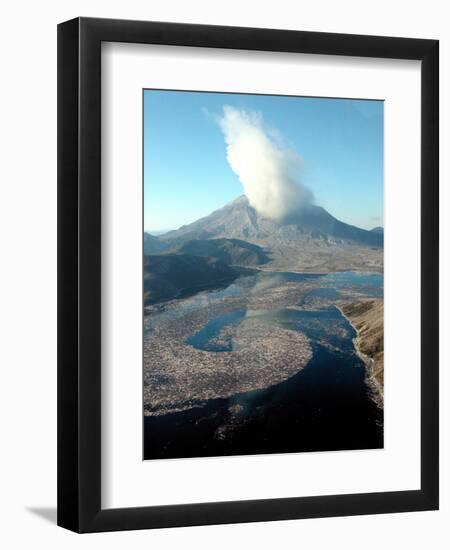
[{"x": 267, "y": 170}]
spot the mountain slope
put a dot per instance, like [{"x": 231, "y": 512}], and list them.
[
  {"x": 167, "y": 276},
  {"x": 317, "y": 220},
  {"x": 230, "y": 251},
  {"x": 312, "y": 240},
  {"x": 367, "y": 317},
  {"x": 152, "y": 245},
  {"x": 239, "y": 220}
]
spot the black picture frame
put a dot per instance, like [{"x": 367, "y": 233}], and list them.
[{"x": 79, "y": 274}]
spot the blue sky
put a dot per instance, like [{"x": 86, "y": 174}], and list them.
[{"x": 187, "y": 176}]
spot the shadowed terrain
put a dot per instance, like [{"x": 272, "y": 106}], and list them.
[{"x": 168, "y": 276}]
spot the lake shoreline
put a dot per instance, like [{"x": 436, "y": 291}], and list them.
[
  {"x": 325, "y": 272},
  {"x": 377, "y": 392}
]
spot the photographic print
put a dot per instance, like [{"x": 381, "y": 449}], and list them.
[
  {"x": 262, "y": 274},
  {"x": 221, "y": 274}
]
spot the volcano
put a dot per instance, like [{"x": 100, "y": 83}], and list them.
[
  {"x": 310, "y": 239},
  {"x": 239, "y": 220}
]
